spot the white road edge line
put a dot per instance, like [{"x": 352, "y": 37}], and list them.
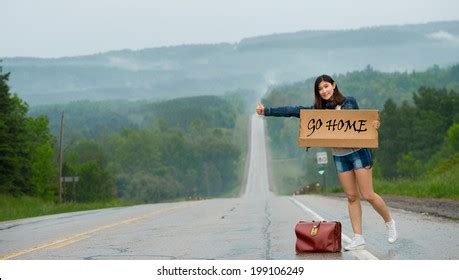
[{"x": 359, "y": 254}]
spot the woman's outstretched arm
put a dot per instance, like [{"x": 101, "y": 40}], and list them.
[{"x": 287, "y": 111}]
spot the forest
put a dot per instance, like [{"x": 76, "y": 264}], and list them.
[{"x": 186, "y": 148}]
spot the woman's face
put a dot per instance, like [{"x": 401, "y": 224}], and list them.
[{"x": 326, "y": 90}]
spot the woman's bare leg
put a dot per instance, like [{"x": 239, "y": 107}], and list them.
[
  {"x": 348, "y": 182},
  {"x": 364, "y": 178}
]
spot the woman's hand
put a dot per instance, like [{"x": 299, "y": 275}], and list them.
[
  {"x": 376, "y": 124},
  {"x": 260, "y": 109}
]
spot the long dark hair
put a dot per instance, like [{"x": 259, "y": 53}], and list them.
[{"x": 337, "y": 98}]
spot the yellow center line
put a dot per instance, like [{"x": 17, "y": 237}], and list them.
[
  {"x": 84, "y": 235},
  {"x": 71, "y": 241}
]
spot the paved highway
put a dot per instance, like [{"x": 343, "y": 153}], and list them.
[{"x": 257, "y": 225}]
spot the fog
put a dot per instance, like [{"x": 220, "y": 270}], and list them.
[{"x": 56, "y": 28}]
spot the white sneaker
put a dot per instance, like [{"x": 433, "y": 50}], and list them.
[
  {"x": 391, "y": 231},
  {"x": 357, "y": 243}
]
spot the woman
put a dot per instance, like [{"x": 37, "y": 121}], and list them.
[{"x": 354, "y": 165}]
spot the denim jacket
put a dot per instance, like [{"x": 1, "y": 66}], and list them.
[{"x": 294, "y": 111}]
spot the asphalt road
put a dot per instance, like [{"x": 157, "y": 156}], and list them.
[{"x": 257, "y": 225}]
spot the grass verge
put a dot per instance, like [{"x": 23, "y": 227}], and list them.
[
  {"x": 440, "y": 185},
  {"x": 12, "y": 208},
  {"x": 444, "y": 185}
]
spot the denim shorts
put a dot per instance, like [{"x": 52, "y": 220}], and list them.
[{"x": 358, "y": 159}]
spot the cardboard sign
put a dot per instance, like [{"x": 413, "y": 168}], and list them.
[{"x": 338, "y": 128}]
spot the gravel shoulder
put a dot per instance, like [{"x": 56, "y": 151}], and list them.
[{"x": 445, "y": 208}]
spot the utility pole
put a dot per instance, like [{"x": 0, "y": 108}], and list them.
[{"x": 61, "y": 156}]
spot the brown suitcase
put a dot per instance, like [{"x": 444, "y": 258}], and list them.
[{"x": 318, "y": 236}]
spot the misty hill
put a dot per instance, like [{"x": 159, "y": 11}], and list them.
[
  {"x": 90, "y": 120},
  {"x": 254, "y": 63}
]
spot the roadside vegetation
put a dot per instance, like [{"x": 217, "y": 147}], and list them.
[
  {"x": 441, "y": 185},
  {"x": 27, "y": 206}
]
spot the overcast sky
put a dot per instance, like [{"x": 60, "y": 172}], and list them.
[{"x": 55, "y": 28}]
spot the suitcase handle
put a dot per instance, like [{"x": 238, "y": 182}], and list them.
[{"x": 315, "y": 228}]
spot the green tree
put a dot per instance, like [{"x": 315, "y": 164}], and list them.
[
  {"x": 40, "y": 148},
  {"x": 95, "y": 183},
  {"x": 15, "y": 171},
  {"x": 389, "y": 143},
  {"x": 453, "y": 137},
  {"x": 409, "y": 166},
  {"x": 147, "y": 188},
  {"x": 88, "y": 161}
]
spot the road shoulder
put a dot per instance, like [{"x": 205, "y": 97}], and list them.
[{"x": 445, "y": 208}]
